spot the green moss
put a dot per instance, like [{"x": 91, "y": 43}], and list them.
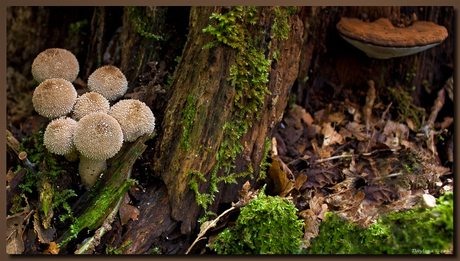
[
  {"x": 264, "y": 165},
  {"x": 281, "y": 26},
  {"x": 98, "y": 209},
  {"x": 267, "y": 225},
  {"x": 77, "y": 27},
  {"x": 413, "y": 71},
  {"x": 188, "y": 118},
  {"x": 142, "y": 22},
  {"x": 248, "y": 75},
  {"x": 415, "y": 231},
  {"x": 49, "y": 172},
  {"x": 113, "y": 251},
  {"x": 406, "y": 109}
]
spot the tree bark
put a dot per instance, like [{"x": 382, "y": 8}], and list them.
[{"x": 203, "y": 74}]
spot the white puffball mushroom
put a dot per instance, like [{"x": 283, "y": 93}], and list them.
[
  {"x": 135, "y": 118},
  {"x": 58, "y": 138},
  {"x": 108, "y": 81},
  {"x": 97, "y": 137},
  {"x": 88, "y": 103},
  {"x": 55, "y": 63},
  {"x": 54, "y": 98}
]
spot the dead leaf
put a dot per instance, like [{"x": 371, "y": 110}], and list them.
[
  {"x": 325, "y": 151},
  {"x": 398, "y": 129},
  {"x": 127, "y": 211},
  {"x": 279, "y": 173},
  {"x": 337, "y": 117},
  {"x": 357, "y": 130},
  {"x": 52, "y": 249},
  {"x": 14, "y": 230},
  {"x": 300, "y": 113},
  {"x": 330, "y": 135},
  {"x": 44, "y": 235},
  {"x": 300, "y": 180}
]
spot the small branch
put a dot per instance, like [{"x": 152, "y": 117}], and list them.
[
  {"x": 333, "y": 158},
  {"x": 211, "y": 225},
  {"x": 25, "y": 161},
  {"x": 389, "y": 176}
]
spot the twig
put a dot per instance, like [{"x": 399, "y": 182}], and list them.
[
  {"x": 25, "y": 161},
  {"x": 389, "y": 175},
  {"x": 211, "y": 225},
  {"x": 333, "y": 158}
]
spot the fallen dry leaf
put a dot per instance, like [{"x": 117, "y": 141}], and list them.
[
  {"x": 357, "y": 130},
  {"x": 279, "y": 172},
  {"x": 127, "y": 211},
  {"x": 44, "y": 235},
  {"x": 52, "y": 249},
  {"x": 330, "y": 135},
  {"x": 14, "y": 230}
]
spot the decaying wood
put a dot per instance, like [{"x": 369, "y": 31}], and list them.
[
  {"x": 114, "y": 177},
  {"x": 203, "y": 74}
]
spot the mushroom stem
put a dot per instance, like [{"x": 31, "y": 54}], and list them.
[{"x": 90, "y": 170}]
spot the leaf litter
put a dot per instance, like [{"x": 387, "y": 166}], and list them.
[{"x": 356, "y": 161}]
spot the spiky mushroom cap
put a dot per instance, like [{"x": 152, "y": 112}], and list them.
[
  {"x": 58, "y": 136},
  {"x": 88, "y": 103},
  {"x": 55, "y": 63},
  {"x": 109, "y": 81},
  {"x": 98, "y": 136},
  {"x": 54, "y": 98},
  {"x": 381, "y": 40},
  {"x": 135, "y": 118}
]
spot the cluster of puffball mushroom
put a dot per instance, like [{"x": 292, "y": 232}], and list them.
[{"x": 86, "y": 127}]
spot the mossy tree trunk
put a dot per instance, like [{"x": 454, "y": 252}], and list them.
[{"x": 201, "y": 115}]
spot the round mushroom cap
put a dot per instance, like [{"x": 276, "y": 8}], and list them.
[
  {"x": 88, "y": 103},
  {"x": 54, "y": 98},
  {"x": 58, "y": 136},
  {"x": 109, "y": 81},
  {"x": 135, "y": 118},
  {"x": 55, "y": 63},
  {"x": 98, "y": 136}
]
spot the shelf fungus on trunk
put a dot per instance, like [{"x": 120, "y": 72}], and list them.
[{"x": 381, "y": 40}]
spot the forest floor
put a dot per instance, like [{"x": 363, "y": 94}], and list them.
[{"x": 358, "y": 159}]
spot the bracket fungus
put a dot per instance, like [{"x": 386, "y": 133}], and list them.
[
  {"x": 97, "y": 137},
  {"x": 108, "y": 81},
  {"x": 58, "y": 138},
  {"x": 54, "y": 98},
  {"x": 88, "y": 103},
  {"x": 135, "y": 118},
  {"x": 381, "y": 40},
  {"x": 55, "y": 63}
]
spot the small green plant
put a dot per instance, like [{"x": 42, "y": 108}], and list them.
[
  {"x": 267, "y": 225},
  {"x": 143, "y": 23},
  {"x": 76, "y": 27},
  {"x": 414, "y": 231},
  {"x": 406, "y": 109},
  {"x": 113, "y": 251}
]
